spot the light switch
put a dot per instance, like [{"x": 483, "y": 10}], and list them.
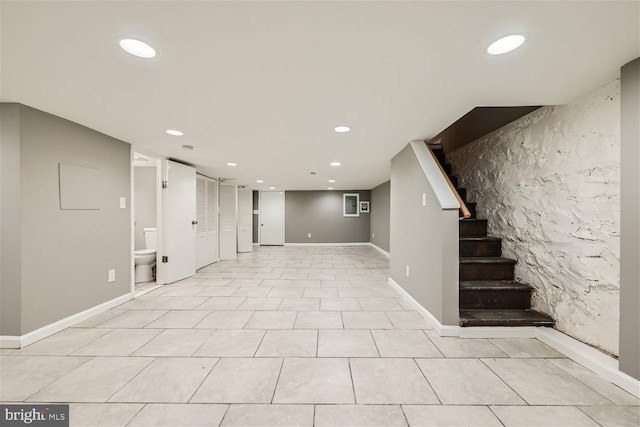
[
  {"x": 112, "y": 276},
  {"x": 424, "y": 199},
  {"x": 123, "y": 203}
]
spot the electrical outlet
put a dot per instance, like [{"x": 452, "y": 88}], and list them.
[
  {"x": 112, "y": 276},
  {"x": 309, "y": 236},
  {"x": 424, "y": 199},
  {"x": 123, "y": 203},
  {"x": 407, "y": 272}
]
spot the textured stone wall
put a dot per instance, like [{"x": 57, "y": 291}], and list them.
[{"x": 549, "y": 184}]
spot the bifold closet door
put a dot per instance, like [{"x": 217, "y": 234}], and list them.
[
  {"x": 245, "y": 220},
  {"x": 207, "y": 215},
  {"x": 228, "y": 212}
]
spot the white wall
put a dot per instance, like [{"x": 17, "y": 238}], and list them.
[
  {"x": 145, "y": 195},
  {"x": 549, "y": 184}
]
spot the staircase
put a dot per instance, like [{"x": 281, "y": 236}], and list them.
[{"x": 489, "y": 295}]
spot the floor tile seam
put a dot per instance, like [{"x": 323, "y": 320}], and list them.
[
  {"x": 211, "y": 332},
  {"x": 427, "y": 380},
  {"x": 130, "y": 379},
  {"x": 353, "y": 384},
  {"x": 136, "y": 414},
  {"x": 89, "y": 358},
  {"x": 432, "y": 343},
  {"x": 195, "y": 390},
  {"x": 226, "y": 411},
  {"x": 587, "y": 385},
  {"x": 275, "y": 388},
  {"x": 496, "y": 415},
  {"x": 481, "y": 359},
  {"x": 260, "y": 343},
  {"x": 375, "y": 343}
]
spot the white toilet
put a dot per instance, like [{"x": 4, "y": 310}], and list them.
[{"x": 145, "y": 259}]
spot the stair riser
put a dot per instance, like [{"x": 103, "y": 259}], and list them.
[
  {"x": 473, "y": 229},
  {"x": 473, "y": 299},
  {"x": 486, "y": 272},
  {"x": 485, "y": 249}
]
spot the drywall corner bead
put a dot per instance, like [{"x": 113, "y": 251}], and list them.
[{"x": 549, "y": 184}]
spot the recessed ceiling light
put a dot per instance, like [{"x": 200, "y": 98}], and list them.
[
  {"x": 232, "y": 164},
  {"x": 332, "y": 180},
  {"x": 174, "y": 132},
  {"x": 335, "y": 163},
  {"x": 259, "y": 181},
  {"x": 137, "y": 48},
  {"x": 272, "y": 188},
  {"x": 506, "y": 44},
  {"x": 188, "y": 147},
  {"x": 330, "y": 188},
  {"x": 342, "y": 129}
]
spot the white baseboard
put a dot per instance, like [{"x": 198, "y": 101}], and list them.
[
  {"x": 9, "y": 341},
  {"x": 587, "y": 356},
  {"x": 52, "y": 328},
  {"x": 328, "y": 244},
  {"x": 379, "y": 249}
]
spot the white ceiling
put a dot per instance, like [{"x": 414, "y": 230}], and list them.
[{"x": 263, "y": 84}]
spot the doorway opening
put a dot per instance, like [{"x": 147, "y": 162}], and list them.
[{"x": 146, "y": 214}]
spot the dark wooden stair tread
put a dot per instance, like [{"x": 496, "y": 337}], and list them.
[
  {"x": 504, "y": 317},
  {"x": 486, "y": 260},
  {"x": 481, "y": 239},
  {"x": 494, "y": 285}
]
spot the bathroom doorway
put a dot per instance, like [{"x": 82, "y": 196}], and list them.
[{"x": 146, "y": 179}]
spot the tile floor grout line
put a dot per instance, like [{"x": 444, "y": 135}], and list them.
[
  {"x": 130, "y": 379},
  {"x": 495, "y": 415},
  {"x": 427, "y": 380},
  {"x": 204, "y": 379},
  {"x": 353, "y": 384},
  {"x": 144, "y": 405},
  {"x": 273, "y": 396},
  {"x": 502, "y": 379}
]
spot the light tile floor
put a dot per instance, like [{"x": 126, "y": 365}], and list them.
[{"x": 290, "y": 336}]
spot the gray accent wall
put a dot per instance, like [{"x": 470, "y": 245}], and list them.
[
  {"x": 380, "y": 211},
  {"x": 630, "y": 220},
  {"x": 145, "y": 192},
  {"x": 320, "y": 213},
  {"x": 65, "y": 255},
  {"x": 425, "y": 238},
  {"x": 10, "y": 222}
]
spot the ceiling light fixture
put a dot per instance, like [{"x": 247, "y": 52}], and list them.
[
  {"x": 174, "y": 132},
  {"x": 272, "y": 188},
  {"x": 335, "y": 164},
  {"x": 137, "y": 48},
  {"x": 232, "y": 164},
  {"x": 259, "y": 181},
  {"x": 506, "y": 44},
  {"x": 188, "y": 147},
  {"x": 330, "y": 188},
  {"x": 342, "y": 129},
  {"x": 332, "y": 180}
]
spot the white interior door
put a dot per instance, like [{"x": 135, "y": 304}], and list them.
[
  {"x": 212, "y": 219},
  {"x": 245, "y": 220},
  {"x": 180, "y": 222},
  {"x": 207, "y": 216},
  {"x": 228, "y": 213},
  {"x": 272, "y": 218}
]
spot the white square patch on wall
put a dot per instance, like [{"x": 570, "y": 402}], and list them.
[{"x": 79, "y": 187}]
